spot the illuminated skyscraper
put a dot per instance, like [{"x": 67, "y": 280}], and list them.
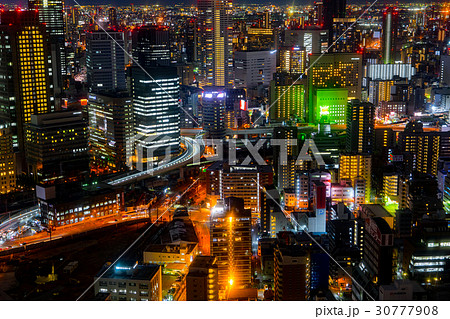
[
  {"x": 151, "y": 46},
  {"x": 376, "y": 267},
  {"x": 57, "y": 146},
  {"x": 156, "y": 92},
  {"x": 156, "y": 112},
  {"x": 360, "y": 127},
  {"x": 289, "y": 104},
  {"x": 51, "y": 13},
  {"x": 213, "y": 103},
  {"x": 314, "y": 39},
  {"x": 112, "y": 16},
  {"x": 243, "y": 181},
  {"x": 231, "y": 244},
  {"x": 253, "y": 68},
  {"x": 356, "y": 167},
  {"x": 26, "y": 72},
  {"x": 344, "y": 29},
  {"x": 332, "y": 9},
  {"x": 201, "y": 281},
  {"x": 215, "y": 42},
  {"x": 332, "y": 71},
  {"x": 444, "y": 74},
  {"x": 105, "y": 61},
  {"x": 422, "y": 150},
  {"x": 380, "y": 91},
  {"x": 110, "y": 131},
  {"x": 330, "y": 105},
  {"x": 7, "y": 162},
  {"x": 293, "y": 59},
  {"x": 318, "y": 13},
  {"x": 390, "y": 34}
]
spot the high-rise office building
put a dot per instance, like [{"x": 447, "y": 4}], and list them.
[
  {"x": 130, "y": 282},
  {"x": 231, "y": 244},
  {"x": 332, "y": 71},
  {"x": 444, "y": 73},
  {"x": 330, "y": 105},
  {"x": 344, "y": 34},
  {"x": 242, "y": 181},
  {"x": 105, "y": 61},
  {"x": 213, "y": 108},
  {"x": 254, "y": 68},
  {"x": 390, "y": 35},
  {"x": 270, "y": 203},
  {"x": 287, "y": 97},
  {"x": 285, "y": 170},
  {"x": 202, "y": 279},
  {"x": 390, "y": 71},
  {"x": 215, "y": 42},
  {"x": 376, "y": 267},
  {"x": 151, "y": 46},
  {"x": 156, "y": 113},
  {"x": 354, "y": 167},
  {"x": 7, "y": 160},
  {"x": 422, "y": 150},
  {"x": 293, "y": 59},
  {"x": 26, "y": 83},
  {"x": 314, "y": 40},
  {"x": 57, "y": 146},
  {"x": 110, "y": 131},
  {"x": 360, "y": 127},
  {"x": 51, "y": 13},
  {"x": 380, "y": 91},
  {"x": 318, "y": 13},
  {"x": 112, "y": 16},
  {"x": 156, "y": 92},
  {"x": 332, "y": 9}
]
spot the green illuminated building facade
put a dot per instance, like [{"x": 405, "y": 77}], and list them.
[
  {"x": 330, "y": 106},
  {"x": 333, "y": 71}
]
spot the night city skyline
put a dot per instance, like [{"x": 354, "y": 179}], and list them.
[{"x": 220, "y": 150}]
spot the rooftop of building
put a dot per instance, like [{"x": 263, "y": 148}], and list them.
[
  {"x": 66, "y": 192},
  {"x": 181, "y": 212},
  {"x": 251, "y": 168},
  {"x": 178, "y": 231},
  {"x": 129, "y": 270},
  {"x": 203, "y": 262},
  {"x": 398, "y": 284},
  {"x": 382, "y": 225},
  {"x": 57, "y": 119},
  {"x": 171, "y": 248},
  {"x": 374, "y": 210}
]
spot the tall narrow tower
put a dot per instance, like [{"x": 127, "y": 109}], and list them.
[
  {"x": 390, "y": 33},
  {"x": 231, "y": 244},
  {"x": 156, "y": 92},
  {"x": 360, "y": 127},
  {"x": 215, "y": 45}
]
